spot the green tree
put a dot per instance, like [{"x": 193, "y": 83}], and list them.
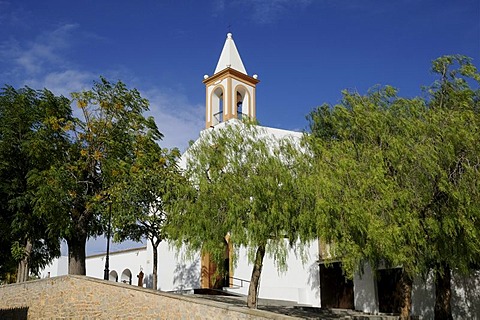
[
  {"x": 362, "y": 149},
  {"x": 243, "y": 185},
  {"x": 31, "y": 140},
  {"x": 140, "y": 199},
  {"x": 74, "y": 195},
  {"x": 451, "y": 219},
  {"x": 396, "y": 180}
]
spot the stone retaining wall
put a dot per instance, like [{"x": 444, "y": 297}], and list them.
[{"x": 82, "y": 297}]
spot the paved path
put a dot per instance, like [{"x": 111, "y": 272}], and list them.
[{"x": 294, "y": 310}]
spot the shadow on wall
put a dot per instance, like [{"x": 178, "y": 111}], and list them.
[
  {"x": 314, "y": 279},
  {"x": 148, "y": 281},
  {"x": 365, "y": 291},
  {"x": 466, "y": 296},
  {"x": 14, "y": 313},
  {"x": 423, "y": 298},
  {"x": 186, "y": 277}
]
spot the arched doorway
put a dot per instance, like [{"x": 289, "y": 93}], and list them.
[
  {"x": 113, "y": 276},
  {"x": 126, "y": 276}
]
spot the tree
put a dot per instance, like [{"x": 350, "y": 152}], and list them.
[
  {"x": 74, "y": 195},
  {"x": 361, "y": 155},
  {"x": 243, "y": 185},
  {"x": 396, "y": 180},
  {"x": 141, "y": 197},
  {"x": 31, "y": 140},
  {"x": 451, "y": 219}
]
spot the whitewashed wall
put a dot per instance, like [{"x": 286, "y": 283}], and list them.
[
  {"x": 465, "y": 297},
  {"x": 131, "y": 259},
  {"x": 365, "y": 291},
  {"x": 300, "y": 283},
  {"x": 174, "y": 272}
]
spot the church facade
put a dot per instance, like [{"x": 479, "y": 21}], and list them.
[{"x": 230, "y": 96}]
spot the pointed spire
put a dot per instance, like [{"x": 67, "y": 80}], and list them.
[{"x": 230, "y": 57}]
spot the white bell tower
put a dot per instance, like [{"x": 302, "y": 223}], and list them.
[{"x": 230, "y": 91}]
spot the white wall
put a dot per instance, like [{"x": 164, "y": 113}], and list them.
[
  {"x": 365, "y": 291},
  {"x": 300, "y": 283},
  {"x": 132, "y": 259},
  {"x": 58, "y": 267},
  {"x": 174, "y": 272},
  {"x": 465, "y": 297}
]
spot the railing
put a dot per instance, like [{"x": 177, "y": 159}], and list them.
[
  {"x": 218, "y": 116},
  {"x": 242, "y": 281}
]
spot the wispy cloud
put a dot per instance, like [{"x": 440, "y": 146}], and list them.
[
  {"x": 179, "y": 120},
  {"x": 34, "y": 57},
  {"x": 11, "y": 15},
  {"x": 42, "y": 62},
  {"x": 63, "y": 82},
  {"x": 260, "y": 11}
]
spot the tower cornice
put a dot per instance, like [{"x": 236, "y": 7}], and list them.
[{"x": 233, "y": 73}]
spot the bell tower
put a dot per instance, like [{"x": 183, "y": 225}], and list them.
[{"x": 230, "y": 91}]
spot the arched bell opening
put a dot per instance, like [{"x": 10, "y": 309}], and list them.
[
  {"x": 242, "y": 102},
  {"x": 217, "y": 105}
]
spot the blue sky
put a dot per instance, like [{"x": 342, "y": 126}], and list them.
[{"x": 305, "y": 52}]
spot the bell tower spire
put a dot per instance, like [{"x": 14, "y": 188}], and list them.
[{"x": 230, "y": 91}]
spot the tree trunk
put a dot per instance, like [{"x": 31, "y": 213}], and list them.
[
  {"x": 255, "y": 279},
  {"x": 23, "y": 269},
  {"x": 155, "y": 244},
  {"x": 406, "y": 283},
  {"x": 76, "y": 254},
  {"x": 443, "y": 293}
]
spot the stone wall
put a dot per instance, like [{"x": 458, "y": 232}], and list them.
[{"x": 70, "y": 297}]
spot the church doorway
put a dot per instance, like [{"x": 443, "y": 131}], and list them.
[
  {"x": 217, "y": 276},
  {"x": 389, "y": 288},
  {"x": 336, "y": 291}
]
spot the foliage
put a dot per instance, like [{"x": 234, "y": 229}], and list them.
[
  {"x": 244, "y": 184},
  {"x": 73, "y": 195},
  {"x": 396, "y": 180},
  {"x": 362, "y": 171},
  {"x": 31, "y": 140},
  {"x": 141, "y": 197}
]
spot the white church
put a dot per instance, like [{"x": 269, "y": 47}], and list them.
[{"x": 230, "y": 95}]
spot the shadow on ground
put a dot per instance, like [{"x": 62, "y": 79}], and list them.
[{"x": 294, "y": 310}]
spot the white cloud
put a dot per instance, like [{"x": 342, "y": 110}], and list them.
[
  {"x": 37, "y": 56},
  {"x": 178, "y": 120},
  {"x": 63, "y": 82},
  {"x": 42, "y": 63}
]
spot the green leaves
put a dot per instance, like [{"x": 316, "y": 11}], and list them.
[
  {"x": 245, "y": 185},
  {"x": 394, "y": 178},
  {"x": 31, "y": 140},
  {"x": 106, "y": 145}
]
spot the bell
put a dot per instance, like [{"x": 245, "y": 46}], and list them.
[{"x": 239, "y": 100}]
